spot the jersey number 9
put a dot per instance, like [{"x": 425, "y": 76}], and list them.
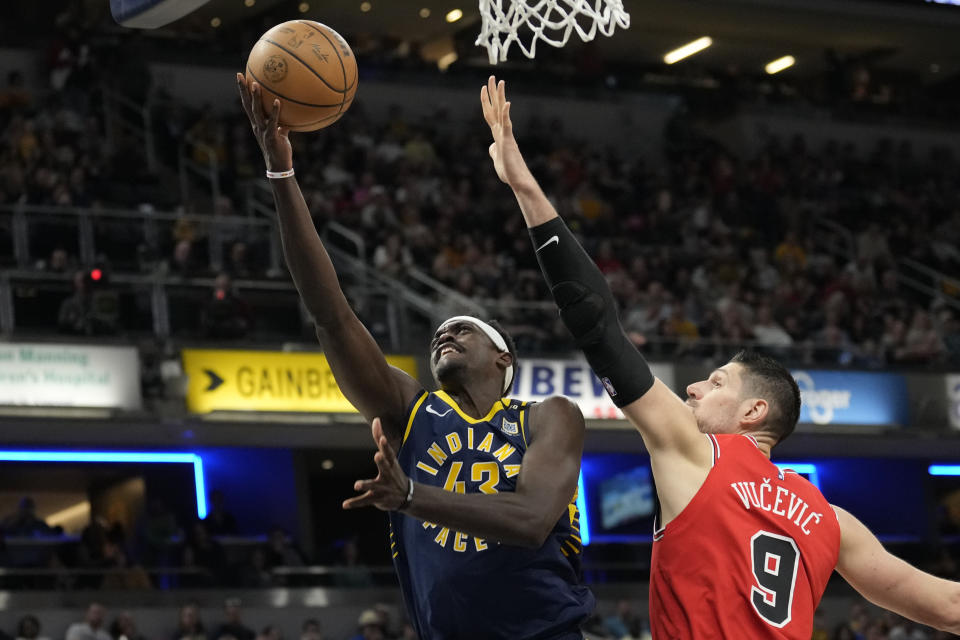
[{"x": 774, "y": 559}]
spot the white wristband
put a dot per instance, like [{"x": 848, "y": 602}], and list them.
[
  {"x": 280, "y": 174},
  {"x": 409, "y": 498}
]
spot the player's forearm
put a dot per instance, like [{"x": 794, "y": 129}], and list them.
[
  {"x": 507, "y": 518},
  {"x": 950, "y": 613},
  {"x": 589, "y": 311},
  {"x": 308, "y": 261},
  {"x": 534, "y": 205}
]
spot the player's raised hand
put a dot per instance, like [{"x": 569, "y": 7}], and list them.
[
  {"x": 273, "y": 139},
  {"x": 388, "y": 491},
  {"x": 504, "y": 151}
]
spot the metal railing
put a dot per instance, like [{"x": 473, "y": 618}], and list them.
[
  {"x": 839, "y": 241},
  {"x": 931, "y": 282},
  {"x": 123, "y": 115},
  {"x": 834, "y": 238},
  {"x": 208, "y": 171}
]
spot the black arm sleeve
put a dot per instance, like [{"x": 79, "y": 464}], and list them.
[{"x": 589, "y": 312}]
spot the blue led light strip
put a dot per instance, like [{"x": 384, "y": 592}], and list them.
[
  {"x": 582, "y": 508},
  {"x": 803, "y": 467},
  {"x": 944, "y": 470},
  {"x": 120, "y": 456}
]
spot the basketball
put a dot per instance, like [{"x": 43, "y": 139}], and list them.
[{"x": 310, "y": 68}]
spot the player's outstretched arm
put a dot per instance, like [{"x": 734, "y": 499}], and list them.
[
  {"x": 587, "y": 306},
  {"x": 368, "y": 382},
  {"x": 524, "y": 517},
  {"x": 891, "y": 583}
]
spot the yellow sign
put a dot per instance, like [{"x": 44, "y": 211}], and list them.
[{"x": 267, "y": 381}]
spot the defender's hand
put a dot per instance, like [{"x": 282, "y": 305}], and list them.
[
  {"x": 388, "y": 490},
  {"x": 272, "y": 138},
  {"x": 504, "y": 151}
]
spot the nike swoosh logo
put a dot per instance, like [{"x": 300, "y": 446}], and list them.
[
  {"x": 430, "y": 409},
  {"x": 550, "y": 240}
]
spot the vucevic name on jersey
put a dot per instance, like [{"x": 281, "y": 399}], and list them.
[{"x": 460, "y": 586}]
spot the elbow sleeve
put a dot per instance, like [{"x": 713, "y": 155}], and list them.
[{"x": 588, "y": 310}]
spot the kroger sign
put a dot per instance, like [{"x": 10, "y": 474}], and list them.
[{"x": 840, "y": 397}]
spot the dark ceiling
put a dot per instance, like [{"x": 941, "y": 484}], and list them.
[{"x": 746, "y": 33}]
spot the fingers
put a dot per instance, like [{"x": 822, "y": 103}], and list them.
[
  {"x": 501, "y": 95},
  {"x": 244, "y": 93},
  {"x": 257, "y": 102},
  {"x": 387, "y": 451},
  {"x": 359, "y": 501},
  {"x": 505, "y": 121},
  {"x": 365, "y": 485},
  {"x": 274, "y": 116},
  {"x": 376, "y": 427},
  {"x": 485, "y": 106}
]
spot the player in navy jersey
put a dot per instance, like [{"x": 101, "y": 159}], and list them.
[{"x": 481, "y": 490}]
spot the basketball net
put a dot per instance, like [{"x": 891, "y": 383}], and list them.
[{"x": 549, "y": 20}]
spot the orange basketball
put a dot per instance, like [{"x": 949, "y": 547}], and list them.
[{"x": 310, "y": 67}]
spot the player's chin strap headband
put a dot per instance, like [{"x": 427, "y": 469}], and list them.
[{"x": 495, "y": 337}]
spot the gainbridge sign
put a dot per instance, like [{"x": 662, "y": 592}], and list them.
[{"x": 267, "y": 381}]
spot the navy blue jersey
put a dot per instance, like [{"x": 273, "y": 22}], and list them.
[{"x": 458, "y": 586}]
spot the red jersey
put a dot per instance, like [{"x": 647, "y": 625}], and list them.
[{"x": 749, "y": 557}]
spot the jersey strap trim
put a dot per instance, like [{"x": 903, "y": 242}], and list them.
[
  {"x": 523, "y": 414},
  {"x": 497, "y": 406},
  {"x": 716, "y": 448},
  {"x": 658, "y": 530},
  {"x": 413, "y": 414},
  {"x": 751, "y": 439}
]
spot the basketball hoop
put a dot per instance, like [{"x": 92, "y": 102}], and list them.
[{"x": 549, "y": 20}]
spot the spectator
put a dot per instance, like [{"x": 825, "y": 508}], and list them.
[
  {"x": 125, "y": 628},
  {"x": 270, "y": 632},
  {"x": 203, "y": 552},
  {"x": 233, "y": 625},
  {"x": 351, "y": 570},
  {"x": 310, "y": 630},
  {"x": 73, "y": 317},
  {"x": 29, "y": 629},
  {"x": 226, "y": 315},
  {"x": 767, "y": 331},
  {"x": 219, "y": 521},
  {"x": 122, "y": 575},
  {"x": 182, "y": 262},
  {"x": 256, "y": 572},
  {"x": 280, "y": 551},
  {"x": 238, "y": 265},
  {"x": 189, "y": 625},
  {"x": 392, "y": 257},
  {"x": 624, "y": 624},
  {"x": 92, "y": 626},
  {"x": 369, "y": 626},
  {"x": 24, "y": 521},
  {"x": 160, "y": 533},
  {"x": 92, "y": 309}
]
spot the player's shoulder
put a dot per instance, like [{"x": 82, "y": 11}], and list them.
[{"x": 558, "y": 407}]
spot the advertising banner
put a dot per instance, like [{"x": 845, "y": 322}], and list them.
[
  {"x": 854, "y": 398},
  {"x": 953, "y": 399},
  {"x": 267, "y": 381},
  {"x": 538, "y": 379},
  {"x": 69, "y": 375}
]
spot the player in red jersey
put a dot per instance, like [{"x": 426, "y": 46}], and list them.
[{"x": 742, "y": 550}]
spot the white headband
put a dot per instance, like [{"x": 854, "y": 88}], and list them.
[{"x": 494, "y": 336}]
